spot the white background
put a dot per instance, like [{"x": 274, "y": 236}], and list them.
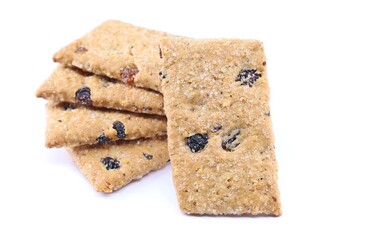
[{"x": 320, "y": 62}]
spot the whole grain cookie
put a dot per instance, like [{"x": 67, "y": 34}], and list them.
[
  {"x": 110, "y": 167},
  {"x": 221, "y": 142},
  {"x": 73, "y": 125},
  {"x": 118, "y": 50},
  {"x": 67, "y": 85}
]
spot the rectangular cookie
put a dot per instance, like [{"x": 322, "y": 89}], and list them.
[
  {"x": 221, "y": 142},
  {"x": 120, "y": 51},
  {"x": 110, "y": 167},
  {"x": 72, "y": 125},
  {"x": 67, "y": 85}
]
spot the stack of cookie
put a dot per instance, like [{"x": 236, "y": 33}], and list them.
[
  {"x": 103, "y": 105},
  {"x": 216, "y": 99}
]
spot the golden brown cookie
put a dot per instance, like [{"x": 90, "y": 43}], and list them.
[
  {"x": 65, "y": 85},
  {"x": 221, "y": 142},
  {"x": 118, "y": 50},
  {"x": 110, "y": 167},
  {"x": 72, "y": 125}
]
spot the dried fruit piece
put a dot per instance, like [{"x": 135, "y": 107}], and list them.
[
  {"x": 119, "y": 127},
  {"x": 83, "y": 96},
  {"x": 229, "y": 140},
  {"x": 110, "y": 163},
  {"x": 248, "y": 76},
  {"x": 148, "y": 156},
  {"x": 81, "y": 49},
  {"x": 197, "y": 142},
  {"x": 102, "y": 139},
  {"x": 128, "y": 74}
]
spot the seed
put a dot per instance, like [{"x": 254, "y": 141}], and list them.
[
  {"x": 229, "y": 140},
  {"x": 148, "y": 156}
]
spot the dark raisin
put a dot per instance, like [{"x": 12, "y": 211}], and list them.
[
  {"x": 268, "y": 113},
  {"x": 59, "y": 120},
  {"x": 148, "y": 156},
  {"x": 248, "y": 76},
  {"x": 197, "y": 142},
  {"x": 264, "y": 63},
  {"x": 102, "y": 139},
  {"x": 128, "y": 74},
  {"x": 110, "y": 163},
  {"x": 81, "y": 49},
  {"x": 162, "y": 75},
  {"x": 216, "y": 128},
  {"x": 83, "y": 96},
  {"x": 119, "y": 127},
  {"x": 229, "y": 140}
]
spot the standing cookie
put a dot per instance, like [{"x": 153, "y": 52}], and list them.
[
  {"x": 221, "y": 142},
  {"x": 118, "y": 50}
]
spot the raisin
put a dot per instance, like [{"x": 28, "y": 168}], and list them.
[
  {"x": 248, "y": 76},
  {"x": 268, "y": 113},
  {"x": 229, "y": 141},
  {"x": 216, "y": 128},
  {"x": 148, "y": 156},
  {"x": 81, "y": 49},
  {"x": 197, "y": 142},
  {"x": 83, "y": 96},
  {"x": 128, "y": 74},
  {"x": 147, "y": 109},
  {"x": 119, "y": 127},
  {"x": 102, "y": 139},
  {"x": 59, "y": 120},
  {"x": 110, "y": 163}
]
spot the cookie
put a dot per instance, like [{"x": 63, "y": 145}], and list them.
[
  {"x": 110, "y": 167},
  {"x": 65, "y": 84},
  {"x": 120, "y": 51},
  {"x": 72, "y": 125},
  {"x": 221, "y": 142}
]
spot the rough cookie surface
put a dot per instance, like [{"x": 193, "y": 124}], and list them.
[
  {"x": 118, "y": 50},
  {"x": 110, "y": 167},
  {"x": 72, "y": 125},
  {"x": 63, "y": 84},
  {"x": 221, "y": 142}
]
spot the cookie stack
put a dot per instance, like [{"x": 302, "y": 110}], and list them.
[
  {"x": 115, "y": 131},
  {"x": 110, "y": 89}
]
